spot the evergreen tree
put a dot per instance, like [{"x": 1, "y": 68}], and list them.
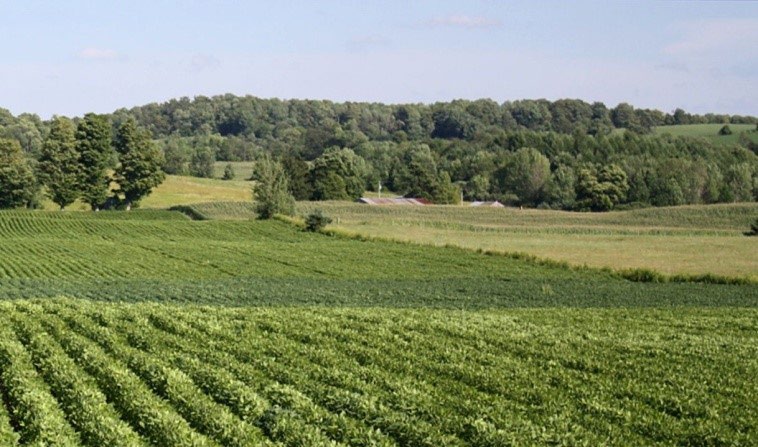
[
  {"x": 59, "y": 167},
  {"x": 271, "y": 191},
  {"x": 17, "y": 182},
  {"x": 93, "y": 140},
  {"x": 140, "y": 161}
]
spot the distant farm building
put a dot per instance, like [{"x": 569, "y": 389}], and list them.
[
  {"x": 494, "y": 204},
  {"x": 394, "y": 201}
]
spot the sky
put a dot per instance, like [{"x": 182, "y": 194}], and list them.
[{"x": 73, "y": 57}]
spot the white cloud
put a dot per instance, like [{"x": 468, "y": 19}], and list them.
[
  {"x": 464, "y": 21},
  {"x": 98, "y": 53},
  {"x": 710, "y": 36}
]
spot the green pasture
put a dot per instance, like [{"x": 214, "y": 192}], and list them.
[
  {"x": 697, "y": 239},
  {"x": 243, "y": 170}
]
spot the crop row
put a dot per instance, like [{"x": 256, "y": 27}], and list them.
[
  {"x": 37, "y": 247},
  {"x": 81, "y": 373}
]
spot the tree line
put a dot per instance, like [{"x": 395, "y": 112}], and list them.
[
  {"x": 564, "y": 154},
  {"x": 82, "y": 161}
]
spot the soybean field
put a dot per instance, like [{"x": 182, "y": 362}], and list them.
[
  {"x": 149, "y": 328},
  {"x": 81, "y": 373},
  {"x": 164, "y": 256}
]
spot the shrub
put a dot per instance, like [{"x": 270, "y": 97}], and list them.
[
  {"x": 228, "y": 172},
  {"x": 753, "y": 229},
  {"x": 317, "y": 220},
  {"x": 725, "y": 130}
]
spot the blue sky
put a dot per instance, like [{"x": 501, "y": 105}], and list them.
[{"x": 80, "y": 56}]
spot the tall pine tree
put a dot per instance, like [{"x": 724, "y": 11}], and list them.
[
  {"x": 59, "y": 168},
  {"x": 140, "y": 161},
  {"x": 93, "y": 138}
]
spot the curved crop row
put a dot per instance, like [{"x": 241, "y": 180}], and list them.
[
  {"x": 33, "y": 410},
  {"x": 148, "y": 414},
  {"x": 368, "y": 377},
  {"x": 177, "y": 388},
  {"x": 8, "y": 435},
  {"x": 282, "y": 400},
  {"x": 279, "y": 423},
  {"x": 402, "y": 426},
  {"x": 85, "y": 405}
]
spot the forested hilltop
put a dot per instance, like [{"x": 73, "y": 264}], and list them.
[{"x": 565, "y": 154}]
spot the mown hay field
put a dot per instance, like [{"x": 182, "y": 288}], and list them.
[
  {"x": 678, "y": 240},
  {"x": 688, "y": 240}
]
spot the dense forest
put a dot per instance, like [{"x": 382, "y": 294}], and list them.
[{"x": 564, "y": 154}]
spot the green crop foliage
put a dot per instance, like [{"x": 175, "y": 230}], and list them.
[
  {"x": 189, "y": 332},
  {"x": 164, "y": 256},
  {"x": 187, "y": 375}
]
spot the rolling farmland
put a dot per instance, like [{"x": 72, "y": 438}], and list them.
[
  {"x": 243, "y": 332},
  {"x": 162, "y": 255},
  {"x": 689, "y": 240}
]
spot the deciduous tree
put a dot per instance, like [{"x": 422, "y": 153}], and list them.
[
  {"x": 139, "y": 168},
  {"x": 96, "y": 157},
  {"x": 271, "y": 190},
  {"x": 59, "y": 165},
  {"x": 17, "y": 182}
]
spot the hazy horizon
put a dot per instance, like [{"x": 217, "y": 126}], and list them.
[{"x": 74, "y": 58}]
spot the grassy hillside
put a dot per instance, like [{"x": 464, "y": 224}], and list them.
[
  {"x": 180, "y": 190},
  {"x": 243, "y": 170},
  {"x": 693, "y": 239},
  {"x": 710, "y": 131},
  {"x": 183, "y": 190}
]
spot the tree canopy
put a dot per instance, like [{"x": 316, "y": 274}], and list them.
[
  {"x": 17, "y": 182},
  {"x": 59, "y": 164},
  {"x": 271, "y": 190},
  {"x": 139, "y": 167},
  {"x": 528, "y": 152},
  {"x": 93, "y": 140}
]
